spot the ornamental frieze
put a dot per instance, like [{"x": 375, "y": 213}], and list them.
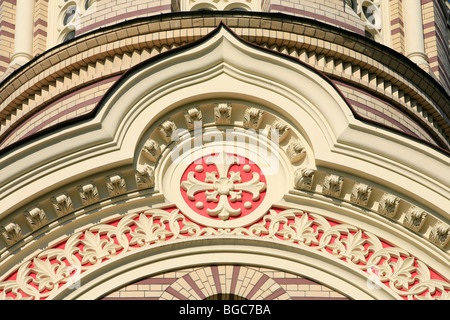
[
  {"x": 239, "y": 193},
  {"x": 64, "y": 265}
]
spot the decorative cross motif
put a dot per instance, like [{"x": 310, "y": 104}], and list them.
[{"x": 223, "y": 186}]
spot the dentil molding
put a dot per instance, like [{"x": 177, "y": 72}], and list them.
[{"x": 306, "y": 177}]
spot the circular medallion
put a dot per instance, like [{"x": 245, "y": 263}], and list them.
[
  {"x": 227, "y": 183},
  {"x": 223, "y": 186}
]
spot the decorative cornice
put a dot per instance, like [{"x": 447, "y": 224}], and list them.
[
  {"x": 360, "y": 63},
  {"x": 305, "y": 178},
  {"x": 373, "y": 199}
]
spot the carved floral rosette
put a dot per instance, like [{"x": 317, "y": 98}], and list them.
[{"x": 45, "y": 274}]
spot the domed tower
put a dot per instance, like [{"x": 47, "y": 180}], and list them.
[{"x": 224, "y": 150}]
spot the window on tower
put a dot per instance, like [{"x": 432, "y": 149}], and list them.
[
  {"x": 374, "y": 14},
  {"x": 65, "y": 19},
  {"x": 236, "y": 5}
]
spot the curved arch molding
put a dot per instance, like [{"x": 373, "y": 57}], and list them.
[
  {"x": 355, "y": 204},
  {"x": 57, "y": 271}
]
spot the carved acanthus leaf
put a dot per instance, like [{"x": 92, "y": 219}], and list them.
[
  {"x": 116, "y": 185},
  {"x": 36, "y": 218},
  {"x": 388, "y": 205},
  {"x": 151, "y": 150},
  {"x": 304, "y": 178},
  {"x": 222, "y": 113},
  {"x": 296, "y": 151},
  {"x": 11, "y": 233},
  {"x": 440, "y": 234},
  {"x": 415, "y": 218},
  {"x": 145, "y": 176},
  {"x": 360, "y": 194},
  {"x": 332, "y": 185},
  {"x": 88, "y": 194},
  {"x": 168, "y": 130},
  {"x": 49, "y": 275},
  {"x": 253, "y": 118},
  {"x": 192, "y": 117},
  {"x": 279, "y": 130},
  {"x": 62, "y": 204}
]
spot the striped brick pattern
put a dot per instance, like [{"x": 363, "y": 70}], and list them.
[
  {"x": 73, "y": 105},
  {"x": 109, "y": 12},
  {"x": 94, "y": 57},
  {"x": 328, "y": 11},
  {"x": 370, "y": 107},
  {"x": 115, "y": 11},
  {"x": 40, "y": 27},
  {"x": 250, "y": 283},
  {"x": 435, "y": 37},
  {"x": 7, "y": 27},
  {"x": 397, "y": 26}
]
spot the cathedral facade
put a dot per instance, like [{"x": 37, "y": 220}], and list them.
[{"x": 224, "y": 150}]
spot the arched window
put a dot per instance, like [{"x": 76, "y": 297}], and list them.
[
  {"x": 352, "y": 4},
  {"x": 237, "y": 9},
  {"x": 69, "y": 36},
  {"x": 69, "y": 14},
  {"x": 236, "y": 5},
  {"x": 374, "y": 14},
  {"x": 65, "y": 19}
]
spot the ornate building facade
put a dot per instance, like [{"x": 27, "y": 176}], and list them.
[{"x": 226, "y": 149}]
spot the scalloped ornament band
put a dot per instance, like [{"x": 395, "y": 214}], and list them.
[{"x": 64, "y": 265}]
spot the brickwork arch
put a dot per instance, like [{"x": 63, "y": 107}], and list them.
[{"x": 225, "y": 282}]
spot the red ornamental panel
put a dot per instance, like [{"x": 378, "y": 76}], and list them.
[
  {"x": 223, "y": 186},
  {"x": 63, "y": 265}
]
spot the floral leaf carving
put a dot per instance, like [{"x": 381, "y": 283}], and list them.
[
  {"x": 97, "y": 249},
  {"x": 300, "y": 230},
  {"x": 351, "y": 248},
  {"x": 147, "y": 231},
  {"x": 20, "y": 287},
  {"x": 401, "y": 275},
  {"x": 219, "y": 186},
  {"x": 48, "y": 275},
  {"x": 68, "y": 253},
  {"x": 222, "y": 113},
  {"x": 42, "y": 275}
]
